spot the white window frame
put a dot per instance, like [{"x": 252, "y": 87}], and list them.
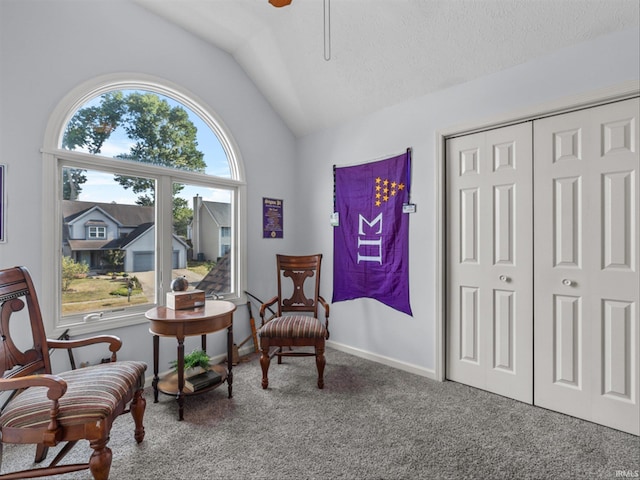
[
  {"x": 99, "y": 232},
  {"x": 54, "y": 157}
]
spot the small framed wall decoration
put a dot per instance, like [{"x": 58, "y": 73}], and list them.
[
  {"x": 3, "y": 204},
  {"x": 272, "y": 218}
]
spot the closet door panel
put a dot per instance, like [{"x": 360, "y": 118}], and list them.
[
  {"x": 489, "y": 262},
  {"x": 586, "y": 250}
]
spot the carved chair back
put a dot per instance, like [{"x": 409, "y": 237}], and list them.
[
  {"x": 301, "y": 294},
  {"x": 16, "y": 290}
]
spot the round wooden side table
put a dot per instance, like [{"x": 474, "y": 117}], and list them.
[{"x": 214, "y": 316}]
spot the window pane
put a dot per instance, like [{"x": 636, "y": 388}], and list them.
[
  {"x": 203, "y": 217},
  {"x": 149, "y": 128},
  {"x": 108, "y": 243}
]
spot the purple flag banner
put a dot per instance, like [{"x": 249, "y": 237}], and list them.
[{"x": 371, "y": 241}]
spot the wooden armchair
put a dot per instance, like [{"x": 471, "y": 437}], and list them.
[
  {"x": 46, "y": 409},
  {"x": 296, "y": 322}
]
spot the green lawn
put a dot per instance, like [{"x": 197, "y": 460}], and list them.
[
  {"x": 91, "y": 294},
  {"x": 94, "y": 293},
  {"x": 201, "y": 268}
]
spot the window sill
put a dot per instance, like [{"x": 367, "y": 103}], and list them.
[
  {"x": 103, "y": 325},
  {"x": 99, "y": 326}
]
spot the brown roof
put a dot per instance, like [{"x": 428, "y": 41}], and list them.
[
  {"x": 87, "y": 244},
  {"x": 126, "y": 215},
  {"x": 218, "y": 280}
]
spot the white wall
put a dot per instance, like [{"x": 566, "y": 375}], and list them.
[
  {"x": 49, "y": 47},
  {"x": 364, "y": 325}
]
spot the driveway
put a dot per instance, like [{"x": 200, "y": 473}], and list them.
[{"x": 147, "y": 280}]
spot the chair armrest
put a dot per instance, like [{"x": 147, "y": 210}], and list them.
[
  {"x": 56, "y": 388},
  {"x": 114, "y": 343},
  {"x": 56, "y": 385},
  {"x": 266, "y": 305},
  {"x": 325, "y": 305}
]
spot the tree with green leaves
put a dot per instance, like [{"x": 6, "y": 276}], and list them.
[
  {"x": 164, "y": 136},
  {"x": 71, "y": 270},
  {"x": 91, "y": 126},
  {"x": 161, "y": 134},
  {"x": 182, "y": 216},
  {"x": 114, "y": 257},
  {"x": 88, "y": 129}
]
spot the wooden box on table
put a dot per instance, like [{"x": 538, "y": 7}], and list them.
[{"x": 185, "y": 300}]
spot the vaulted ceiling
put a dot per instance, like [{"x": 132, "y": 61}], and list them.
[{"x": 383, "y": 52}]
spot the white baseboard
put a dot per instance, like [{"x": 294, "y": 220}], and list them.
[
  {"x": 374, "y": 357},
  {"x": 407, "y": 367}
]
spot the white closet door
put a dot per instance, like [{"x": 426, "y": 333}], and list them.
[
  {"x": 586, "y": 264},
  {"x": 489, "y": 264}
]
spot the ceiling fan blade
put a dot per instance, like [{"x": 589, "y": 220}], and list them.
[{"x": 279, "y": 3}]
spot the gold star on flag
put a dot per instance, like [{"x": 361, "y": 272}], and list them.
[{"x": 388, "y": 188}]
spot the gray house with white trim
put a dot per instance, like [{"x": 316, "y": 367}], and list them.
[
  {"x": 91, "y": 229},
  {"x": 210, "y": 229}
]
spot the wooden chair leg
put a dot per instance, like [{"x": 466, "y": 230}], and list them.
[
  {"x": 138, "y": 406},
  {"x": 100, "y": 461},
  {"x": 320, "y": 363},
  {"x": 279, "y": 356},
  {"x": 264, "y": 363},
  {"x": 41, "y": 452}
]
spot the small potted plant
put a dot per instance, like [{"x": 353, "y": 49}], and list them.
[{"x": 195, "y": 362}]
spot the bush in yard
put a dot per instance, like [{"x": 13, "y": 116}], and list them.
[
  {"x": 71, "y": 270},
  {"x": 123, "y": 291}
]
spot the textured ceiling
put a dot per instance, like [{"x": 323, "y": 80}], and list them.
[{"x": 384, "y": 51}]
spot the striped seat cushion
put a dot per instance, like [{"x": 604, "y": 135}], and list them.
[
  {"x": 294, "y": 326},
  {"x": 92, "y": 394}
]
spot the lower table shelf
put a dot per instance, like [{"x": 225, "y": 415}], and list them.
[{"x": 169, "y": 383}]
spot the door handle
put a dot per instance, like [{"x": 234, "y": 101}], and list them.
[
  {"x": 504, "y": 278},
  {"x": 568, "y": 283}
]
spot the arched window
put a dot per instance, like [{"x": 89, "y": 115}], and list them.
[{"x": 143, "y": 185}]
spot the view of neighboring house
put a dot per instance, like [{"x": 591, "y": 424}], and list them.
[
  {"x": 91, "y": 229},
  {"x": 210, "y": 230}
]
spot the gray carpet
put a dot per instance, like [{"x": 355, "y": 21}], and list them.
[{"x": 369, "y": 422}]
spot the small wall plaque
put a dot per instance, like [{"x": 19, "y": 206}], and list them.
[{"x": 272, "y": 218}]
